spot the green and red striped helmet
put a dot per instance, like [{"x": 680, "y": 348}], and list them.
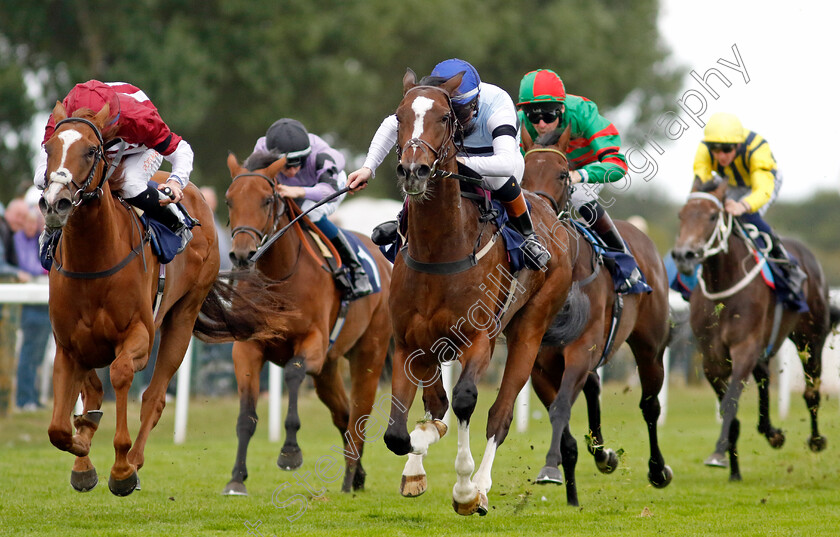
[{"x": 541, "y": 86}]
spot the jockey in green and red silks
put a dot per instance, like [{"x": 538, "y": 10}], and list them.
[{"x": 594, "y": 150}]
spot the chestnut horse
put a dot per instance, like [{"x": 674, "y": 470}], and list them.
[
  {"x": 453, "y": 293},
  {"x": 103, "y": 289},
  {"x": 738, "y": 323},
  {"x": 257, "y": 211},
  {"x": 566, "y": 364}
]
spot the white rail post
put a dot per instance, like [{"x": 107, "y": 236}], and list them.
[
  {"x": 275, "y": 398},
  {"x": 182, "y": 396}
]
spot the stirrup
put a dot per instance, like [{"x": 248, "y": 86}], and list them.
[{"x": 536, "y": 255}]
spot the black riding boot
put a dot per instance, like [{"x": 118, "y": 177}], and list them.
[
  {"x": 168, "y": 215},
  {"x": 597, "y": 220},
  {"x": 793, "y": 273},
  {"x": 536, "y": 254},
  {"x": 357, "y": 278}
]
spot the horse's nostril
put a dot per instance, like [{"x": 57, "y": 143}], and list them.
[
  {"x": 423, "y": 172},
  {"x": 402, "y": 174},
  {"x": 63, "y": 205}
]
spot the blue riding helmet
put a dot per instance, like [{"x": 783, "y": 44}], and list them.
[{"x": 468, "y": 90}]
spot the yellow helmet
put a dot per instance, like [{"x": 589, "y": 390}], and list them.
[{"x": 724, "y": 128}]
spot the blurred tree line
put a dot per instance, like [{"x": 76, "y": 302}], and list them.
[{"x": 221, "y": 71}]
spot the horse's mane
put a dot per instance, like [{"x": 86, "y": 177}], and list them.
[
  {"x": 259, "y": 160},
  {"x": 108, "y": 133},
  {"x": 432, "y": 81},
  {"x": 709, "y": 186},
  {"x": 548, "y": 139}
]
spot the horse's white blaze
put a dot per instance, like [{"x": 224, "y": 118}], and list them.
[
  {"x": 482, "y": 478},
  {"x": 421, "y": 105},
  {"x": 62, "y": 175},
  {"x": 464, "y": 490}
]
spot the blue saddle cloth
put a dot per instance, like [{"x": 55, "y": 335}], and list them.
[
  {"x": 770, "y": 273},
  {"x": 623, "y": 264},
  {"x": 513, "y": 239},
  {"x": 366, "y": 259}
]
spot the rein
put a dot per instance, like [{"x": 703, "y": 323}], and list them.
[{"x": 260, "y": 236}]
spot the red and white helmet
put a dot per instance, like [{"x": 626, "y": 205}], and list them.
[{"x": 93, "y": 95}]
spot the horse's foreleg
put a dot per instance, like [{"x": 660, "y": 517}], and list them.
[
  {"x": 761, "y": 374},
  {"x": 83, "y": 477},
  {"x": 68, "y": 377},
  {"x": 248, "y": 361},
  {"x": 407, "y": 374},
  {"x": 291, "y": 457},
  {"x": 605, "y": 459},
  {"x": 123, "y": 478},
  {"x": 467, "y": 496}
]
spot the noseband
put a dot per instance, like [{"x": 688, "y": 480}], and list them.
[
  {"x": 719, "y": 240},
  {"x": 258, "y": 235}
]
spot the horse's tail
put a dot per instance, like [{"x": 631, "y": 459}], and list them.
[
  {"x": 570, "y": 321},
  {"x": 241, "y": 306}
]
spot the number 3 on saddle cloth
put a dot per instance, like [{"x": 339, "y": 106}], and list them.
[{"x": 772, "y": 275}]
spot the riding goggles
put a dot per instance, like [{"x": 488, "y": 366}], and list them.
[
  {"x": 724, "y": 148},
  {"x": 534, "y": 115}
]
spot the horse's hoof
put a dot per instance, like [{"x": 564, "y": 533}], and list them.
[
  {"x": 776, "y": 439},
  {"x": 717, "y": 460},
  {"x": 478, "y": 505},
  {"x": 549, "y": 475},
  {"x": 735, "y": 477},
  {"x": 817, "y": 443},
  {"x": 412, "y": 486},
  {"x": 290, "y": 459},
  {"x": 84, "y": 481},
  {"x": 234, "y": 488},
  {"x": 609, "y": 463},
  {"x": 359, "y": 478},
  {"x": 663, "y": 479},
  {"x": 124, "y": 487},
  {"x": 441, "y": 427}
]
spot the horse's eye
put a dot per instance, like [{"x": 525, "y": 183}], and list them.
[
  {"x": 712, "y": 217},
  {"x": 267, "y": 201},
  {"x": 91, "y": 152}
]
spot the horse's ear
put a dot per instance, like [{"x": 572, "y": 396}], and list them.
[
  {"x": 563, "y": 142},
  {"x": 527, "y": 141},
  {"x": 275, "y": 167},
  {"x": 233, "y": 164},
  {"x": 451, "y": 85},
  {"x": 59, "y": 112},
  {"x": 409, "y": 80},
  {"x": 101, "y": 117},
  {"x": 697, "y": 184}
]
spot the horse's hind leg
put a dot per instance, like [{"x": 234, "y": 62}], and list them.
[
  {"x": 366, "y": 360},
  {"x": 605, "y": 459},
  {"x": 568, "y": 448},
  {"x": 83, "y": 477},
  {"x": 290, "y": 457},
  {"x": 812, "y": 366},
  {"x": 651, "y": 375},
  {"x": 761, "y": 374},
  {"x": 248, "y": 361}
]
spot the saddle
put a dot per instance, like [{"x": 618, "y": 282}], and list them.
[{"x": 620, "y": 264}]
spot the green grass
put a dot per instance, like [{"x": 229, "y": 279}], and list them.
[{"x": 784, "y": 493}]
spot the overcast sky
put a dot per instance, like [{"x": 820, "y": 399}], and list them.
[{"x": 789, "y": 53}]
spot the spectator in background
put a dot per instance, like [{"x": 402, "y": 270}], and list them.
[
  {"x": 34, "y": 318},
  {"x": 8, "y": 256},
  {"x": 222, "y": 231}
]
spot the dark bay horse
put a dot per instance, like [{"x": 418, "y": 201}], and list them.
[
  {"x": 103, "y": 285},
  {"x": 257, "y": 211},
  {"x": 452, "y": 293},
  {"x": 739, "y": 325},
  {"x": 566, "y": 362}
]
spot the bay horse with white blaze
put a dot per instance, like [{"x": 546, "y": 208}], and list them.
[
  {"x": 567, "y": 362},
  {"x": 104, "y": 284},
  {"x": 452, "y": 294},
  {"x": 316, "y": 339},
  {"x": 738, "y": 322}
]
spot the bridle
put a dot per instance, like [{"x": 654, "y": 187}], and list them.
[
  {"x": 718, "y": 242},
  {"x": 441, "y": 154},
  {"x": 82, "y": 194},
  {"x": 277, "y": 207},
  {"x": 565, "y": 177}
]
